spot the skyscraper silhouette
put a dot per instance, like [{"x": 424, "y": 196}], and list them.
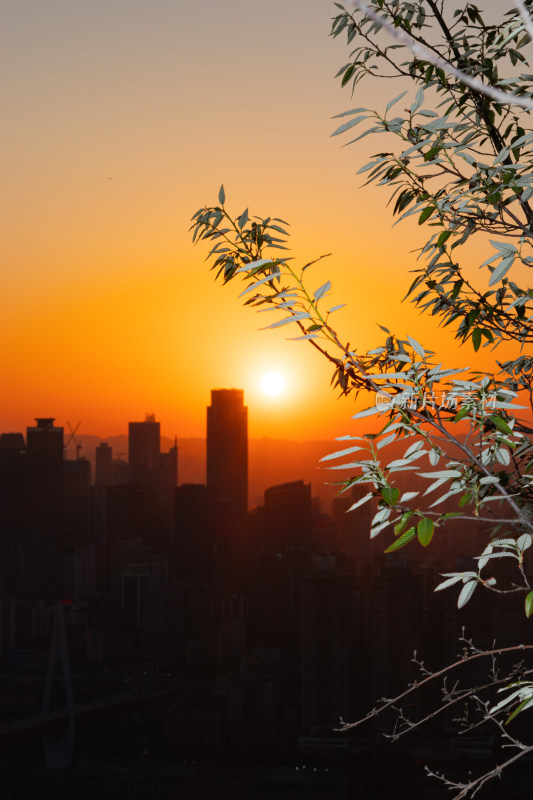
[
  {"x": 43, "y": 557},
  {"x": 144, "y": 449},
  {"x": 227, "y": 451},
  {"x": 104, "y": 465},
  {"x": 227, "y": 485},
  {"x": 288, "y": 516}
]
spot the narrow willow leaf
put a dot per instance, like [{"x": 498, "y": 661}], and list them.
[
  {"x": 426, "y": 213},
  {"x": 445, "y": 473},
  {"x": 361, "y": 502},
  {"x": 501, "y": 270},
  {"x": 434, "y": 457},
  {"x": 408, "y": 496},
  {"x": 394, "y": 101},
  {"x": 465, "y": 499},
  {"x": 404, "y": 539},
  {"x": 448, "y": 582},
  {"x": 386, "y": 441},
  {"x": 466, "y": 593},
  {"x": 501, "y": 424},
  {"x": 340, "y": 453},
  {"x": 522, "y": 707},
  {"x": 506, "y": 700},
  {"x": 322, "y": 290},
  {"x": 414, "y": 448},
  {"x": 528, "y": 603},
  {"x": 417, "y": 347},
  {"x": 350, "y": 124},
  {"x": 461, "y": 414},
  {"x": 367, "y": 412}
]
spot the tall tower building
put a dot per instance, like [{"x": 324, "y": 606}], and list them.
[
  {"x": 327, "y": 645},
  {"x": 396, "y": 629},
  {"x": 144, "y": 449},
  {"x": 12, "y": 517},
  {"x": 104, "y": 465},
  {"x": 288, "y": 516},
  {"x": 43, "y": 558},
  {"x": 227, "y": 451},
  {"x": 227, "y": 486}
]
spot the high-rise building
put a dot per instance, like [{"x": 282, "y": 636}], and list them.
[
  {"x": 288, "y": 516},
  {"x": 227, "y": 451},
  {"x": 396, "y": 628},
  {"x": 77, "y": 501},
  {"x": 327, "y": 645},
  {"x": 144, "y": 449},
  {"x": 164, "y": 479},
  {"x": 43, "y": 558},
  {"x": 192, "y": 550},
  {"x": 227, "y": 487},
  {"x": 104, "y": 465},
  {"x": 12, "y": 513}
]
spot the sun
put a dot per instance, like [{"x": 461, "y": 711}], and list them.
[{"x": 273, "y": 383}]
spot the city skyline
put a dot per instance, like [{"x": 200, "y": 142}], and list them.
[
  {"x": 258, "y": 627},
  {"x": 271, "y": 461}
]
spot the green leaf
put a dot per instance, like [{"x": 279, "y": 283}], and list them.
[
  {"x": 523, "y": 705},
  {"x": 461, "y": 414},
  {"x": 424, "y": 531},
  {"x": 431, "y": 154},
  {"x": 457, "y": 286},
  {"x": 398, "y": 528},
  {"x": 465, "y": 499},
  {"x": 476, "y": 338},
  {"x": 243, "y": 219},
  {"x": 404, "y": 539},
  {"x": 528, "y": 604},
  {"x": 391, "y": 495},
  {"x": 444, "y": 236},
  {"x": 348, "y": 74},
  {"x": 501, "y": 424},
  {"x": 221, "y": 195},
  {"x": 426, "y": 213}
]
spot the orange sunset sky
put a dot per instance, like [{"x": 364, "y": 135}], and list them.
[{"x": 122, "y": 118}]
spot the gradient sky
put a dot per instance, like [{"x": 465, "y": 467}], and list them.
[{"x": 121, "y": 118}]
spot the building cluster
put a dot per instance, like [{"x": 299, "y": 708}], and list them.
[{"x": 279, "y": 620}]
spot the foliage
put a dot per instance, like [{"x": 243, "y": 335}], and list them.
[{"x": 460, "y": 163}]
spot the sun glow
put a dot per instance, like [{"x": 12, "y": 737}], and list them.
[{"x": 273, "y": 383}]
